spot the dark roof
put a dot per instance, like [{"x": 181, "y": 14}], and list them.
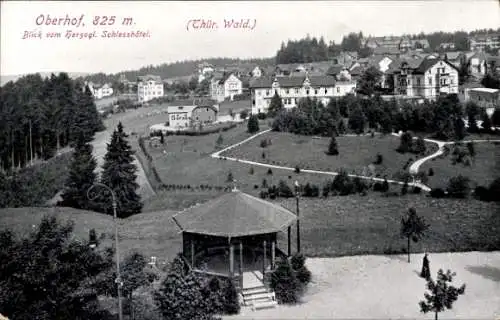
[
  {"x": 235, "y": 214},
  {"x": 386, "y": 50},
  {"x": 335, "y": 69},
  {"x": 293, "y": 81}
]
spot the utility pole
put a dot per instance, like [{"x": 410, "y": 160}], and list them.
[{"x": 297, "y": 187}]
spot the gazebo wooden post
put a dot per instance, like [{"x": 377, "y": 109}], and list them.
[
  {"x": 289, "y": 241},
  {"x": 231, "y": 258},
  {"x": 192, "y": 253},
  {"x": 241, "y": 258},
  {"x": 264, "y": 259},
  {"x": 273, "y": 253}
]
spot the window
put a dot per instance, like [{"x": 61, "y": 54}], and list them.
[
  {"x": 307, "y": 91},
  {"x": 275, "y": 91},
  {"x": 326, "y": 91},
  {"x": 267, "y": 92},
  {"x": 418, "y": 81},
  {"x": 287, "y": 91},
  {"x": 197, "y": 118},
  {"x": 430, "y": 80},
  {"x": 295, "y": 100},
  {"x": 338, "y": 89},
  {"x": 316, "y": 91},
  {"x": 297, "y": 90}
]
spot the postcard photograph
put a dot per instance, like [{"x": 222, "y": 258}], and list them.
[{"x": 174, "y": 160}]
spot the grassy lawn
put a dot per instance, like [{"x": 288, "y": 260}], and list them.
[
  {"x": 355, "y": 225},
  {"x": 483, "y": 170},
  {"x": 336, "y": 226},
  {"x": 235, "y": 106},
  {"x": 356, "y": 152},
  {"x": 152, "y": 234}
]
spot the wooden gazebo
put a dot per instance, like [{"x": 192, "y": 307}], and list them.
[{"x": 234, "y": 225}]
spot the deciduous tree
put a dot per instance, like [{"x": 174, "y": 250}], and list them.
[
  {"x": 413, "y": 227},
  {"x": 441, "y": 295}
]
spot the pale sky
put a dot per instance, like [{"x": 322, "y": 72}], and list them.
[{"x": 170, "y": 41}]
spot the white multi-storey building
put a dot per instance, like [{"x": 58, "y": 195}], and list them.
[
  {"x": 100, "y": 91},
  {"x": 225, "y": 86},
  {"x": 425, "y": 78},
  {"x": 148, "y": 88},
  {"x": 292, "y": 88}
]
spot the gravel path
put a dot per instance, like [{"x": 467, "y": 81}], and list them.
[{"x": 388, "y": 287}]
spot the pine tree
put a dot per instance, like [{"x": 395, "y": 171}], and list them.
[
  {"x": 119, "y": 173},
  {"x": 253, "y": 124},
  {"x": 81, "y": 176},
  {"x": 332, "y": 147},
  {"x": 274, "y": 106}
]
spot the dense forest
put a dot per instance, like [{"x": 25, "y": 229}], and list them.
[
  {"x": 39, "y": 116},
  {"x": 175, "y": 69}
]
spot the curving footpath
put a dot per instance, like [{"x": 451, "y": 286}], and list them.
[
  {"x": 331, "y": 173},
  {"x": 415, "y": 166}
]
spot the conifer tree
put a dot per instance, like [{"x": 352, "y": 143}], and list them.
[
  {"x": 119, "y": 173},
  {"x": 275, "y": 106},
  {"x": 332, "y": 147},
  {"x": 253, "y": 124},
  {"x": 81, "y": 176},
  {"x": 86, "y": 118}
]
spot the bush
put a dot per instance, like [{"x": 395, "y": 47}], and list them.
[
  {"x": 230, "y": 304},
  {"x": 298, "y": 263},
  {"x": 205, "y": 131},
  {"x": 297, "y": 169},
  {"x": 251, "y": 171},
  {"x": 263, "y": 155},
  {"x": 406, "y": 143},
  {"x": 285, "y": 284},
  {"x": 253, "y": 124},
  {"x": 377, "y": 186},
  {"x": 243, "y": 114},
  {"x": 437, "y": 193},
  {"x": 264, "y": 143},
  {"x": 263, "y": 194},
  {"x": 264, "y": 183},
  {"x": 378, "y": 159},
  {"x": 458, "y": 187},
  {"x": 270, "y": 172},
  {"x": 261, "y": 116},
  {"x": 431, "y": 172},
  {"x": 385, "y": 186},
  {"x": 284, "y": 190},
  {"x": 404, "y": 188},
  {"x": 416, "y": 190},
  {"x": 342, "y": 184}
]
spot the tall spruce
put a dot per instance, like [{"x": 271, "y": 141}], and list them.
[
  {"x": 119, "y": 173},
  {"x": 81, "y": 176},
  {"x": 86, "y": 118},
  {"x": 275, "y": 106}
]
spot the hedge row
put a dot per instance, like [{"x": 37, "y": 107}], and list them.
[
  {"x": 203, "y": 132},
  {"x": 188, "y": 187}
]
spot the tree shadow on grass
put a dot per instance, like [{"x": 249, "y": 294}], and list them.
[{"x": 485, "y": 271}]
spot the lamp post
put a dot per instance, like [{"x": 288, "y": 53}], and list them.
[
  {"x": 115, "y": 218},
  {"x": 297, "y": 186}
]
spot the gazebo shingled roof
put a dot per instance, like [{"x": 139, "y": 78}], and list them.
[{"x": 235, "y": 214}]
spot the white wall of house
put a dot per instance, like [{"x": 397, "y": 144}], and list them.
[
  {"x": 439, "y": 78},
  {"x": 291, "y": 95},
  {"x": 148, "y": 90},
  {"x": 231, "y": 87},
  {"x": 256, "y": 72}
]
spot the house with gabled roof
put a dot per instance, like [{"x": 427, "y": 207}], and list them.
[
  {"x": 426, "y": 78},
  {"x": 225, "y": 86},
  {"x": 293, "y": 88},
  {"x": 149, "y": 87}
]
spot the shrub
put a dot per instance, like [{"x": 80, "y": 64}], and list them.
[
  {"x": 325, "y": 191},
  {"x": 263, "y": 143},
  {"x": 263, "y": 194},
  {"x": 273, "y": 192},
  {"x": 270, "y": 172},
  {"x": 416, "y": 190},
  {"x": 437, "y": 193},
  {"x": 419, "y": 147},
  {"x": 230, "y": 305},
  {"x": 263, "y": 155},
  {"x": 482, "y": 193},
  {"x": 243, "y": 114},
  {"x": 230, "y": 177},
  {"x": 264, "y": 183},
  {"x": 297, "y": 169},
  {"x": 298, "y": 263},
  {"x": 406, "y": 143},
  {"x": 332, "y": 147},
  {"x": 284, "y": 190},
  {"x": 261, "y": 116},
  {"x": 404, "y": 188},
  {"x": 342, "y": 184},
  {"x": 285, "y": 283},
  {"x": 494, "y": 190},
  {"x": 458, "y": 187},
  {"x": 256, "y": 186},
  {"x": 378, "y": 159},
  {"x": 385, "y": 186},
  {"x": 360, "y": 185},
  {"x": 251, "y": 171},
  {"x": 431, "y": 172},
  {"x": 377, "y": 186},
  {"x": 253, "y": 124}
]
